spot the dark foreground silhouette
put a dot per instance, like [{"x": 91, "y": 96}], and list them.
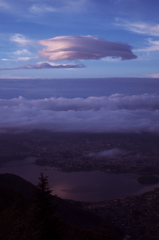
[{"x": 33, "y": 213}]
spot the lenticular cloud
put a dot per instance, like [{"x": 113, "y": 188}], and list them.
[
  {"x": 115, "y": 113},
  {"x": 84, "y": 47},
  {"x": 46, "y": 65}
]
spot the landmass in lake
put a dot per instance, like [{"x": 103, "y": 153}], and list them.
[
  {"x": 108, "y": 152},
  {"x": 148, "y": 179}
]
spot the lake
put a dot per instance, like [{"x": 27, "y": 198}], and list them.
[{"x": 81, "y": 186}]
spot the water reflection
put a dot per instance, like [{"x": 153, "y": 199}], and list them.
[{"x": 83, "y": 186}]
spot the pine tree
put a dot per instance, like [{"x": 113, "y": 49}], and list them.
[{"x": 46, "y": 220}]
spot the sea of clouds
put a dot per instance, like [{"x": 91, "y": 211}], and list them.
[{"x": 114, "y": 113}]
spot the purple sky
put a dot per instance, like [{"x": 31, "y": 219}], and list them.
[{"x": 79, "y": 38}]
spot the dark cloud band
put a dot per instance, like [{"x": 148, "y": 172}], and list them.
[{"x": 44, "y": 65}]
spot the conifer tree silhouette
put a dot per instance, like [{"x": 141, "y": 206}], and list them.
[{"x": 47, "y": 220}]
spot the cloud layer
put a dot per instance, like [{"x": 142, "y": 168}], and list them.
[
  {"x": 84, "y": 47},
  {"x": 44, "y": 65},
  {"x": 115, "y": 113},
  {"x": 70, "y": 48}
]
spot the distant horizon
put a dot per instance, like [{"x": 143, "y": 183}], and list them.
[
  {"x": 88, "y": 105},
  {"x": 105, "y": 39},
  {"x": 67, "y": 78}
]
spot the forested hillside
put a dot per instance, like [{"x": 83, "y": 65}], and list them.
[{"x": 32, "y": 213}]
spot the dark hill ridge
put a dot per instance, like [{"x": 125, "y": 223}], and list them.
[
  {"x": 17, "y": 184},
  {"x": 69, "y": 211}
]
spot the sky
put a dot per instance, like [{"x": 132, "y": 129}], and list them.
[
  {"x": 79, "y": 65},
  {"x": 79, "y": 38}
]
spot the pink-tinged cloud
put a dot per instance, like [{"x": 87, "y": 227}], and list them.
[
  {"x": 155, "y": 75},
  {"x": 84, "y": 47},
  {"x": 44, "y": 65}
]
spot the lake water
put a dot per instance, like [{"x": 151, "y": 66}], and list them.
[{"x": 82, "y": 186}]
